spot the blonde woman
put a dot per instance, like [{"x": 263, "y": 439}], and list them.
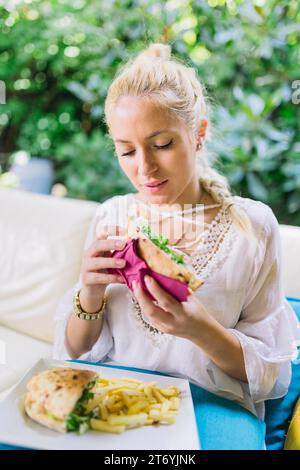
[{"x": 236, "y": 335}]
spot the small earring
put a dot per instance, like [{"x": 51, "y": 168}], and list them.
[{"x": 199, "y": 145}]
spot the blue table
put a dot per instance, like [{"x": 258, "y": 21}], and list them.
[{"x": 222, "y": 424}]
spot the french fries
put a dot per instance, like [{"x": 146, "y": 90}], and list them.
[{"x": 122, "y": 404}]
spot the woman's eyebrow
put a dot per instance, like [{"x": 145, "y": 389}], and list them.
[{"x": 149, "y": 136}]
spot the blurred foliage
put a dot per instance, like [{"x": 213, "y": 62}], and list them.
[{"x": 58, "y": 57}]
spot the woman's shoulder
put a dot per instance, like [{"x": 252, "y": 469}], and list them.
[{"x": 260, "y": 214}]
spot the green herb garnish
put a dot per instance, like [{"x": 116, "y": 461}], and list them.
[
  {"x": 78, "y": 420},
  {"x": 162, "y": 243},
  {"x": 74, "y": 422}
]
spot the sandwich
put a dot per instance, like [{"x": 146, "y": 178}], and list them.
[
  {"x": 56, "y": 398},
  {"x": 160, "y": 258}
]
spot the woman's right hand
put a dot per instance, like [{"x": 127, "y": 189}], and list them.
[{"x": 96, "y": 259}]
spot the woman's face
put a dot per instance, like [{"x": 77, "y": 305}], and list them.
[{"x": 153, "y": 147}]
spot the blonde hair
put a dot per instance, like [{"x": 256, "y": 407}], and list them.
[{"x": 176, "y": 87}]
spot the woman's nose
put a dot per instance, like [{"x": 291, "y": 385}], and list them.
[{"x": 147, "y": 165}]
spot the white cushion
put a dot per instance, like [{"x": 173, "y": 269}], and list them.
[
  {"x": 41, "y": 246},
  {"x": 21, "y": 352},
  {"x": 290, "y": 243}
]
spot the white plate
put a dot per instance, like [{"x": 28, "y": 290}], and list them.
[{"x": 16, "y": 428}]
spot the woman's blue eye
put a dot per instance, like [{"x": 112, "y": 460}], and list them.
[{"x": 157, "y": 146}]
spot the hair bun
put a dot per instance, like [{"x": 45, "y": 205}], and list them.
[{"x": 156, "y": 50}]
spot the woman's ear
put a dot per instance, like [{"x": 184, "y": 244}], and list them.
[{"x": 201, "y": 132}]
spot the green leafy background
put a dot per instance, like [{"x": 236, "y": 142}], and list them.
[{"x": 58, "y": 57}]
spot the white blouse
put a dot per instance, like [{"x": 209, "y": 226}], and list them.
[{"x": 243, "y": 290}]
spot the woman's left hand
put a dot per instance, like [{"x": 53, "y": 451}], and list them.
[{"x": 185, "y": 319}]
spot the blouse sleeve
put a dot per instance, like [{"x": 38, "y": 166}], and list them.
[
  {"x": 268, "y": 329},
  {"x": 64, "y": 309}
]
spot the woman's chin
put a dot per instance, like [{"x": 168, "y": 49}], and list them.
[{"x": 158, "y": 198}]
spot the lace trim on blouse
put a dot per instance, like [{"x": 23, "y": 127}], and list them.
[
  {"x": 215, "y": 246},
  {"x": 216, "y": 243}
]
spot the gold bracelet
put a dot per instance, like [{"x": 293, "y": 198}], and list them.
[{"x": 80, "y": 313}]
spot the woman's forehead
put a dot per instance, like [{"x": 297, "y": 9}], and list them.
[
  {"x": 135, "y": 118},
  {"x": 134, "y": 109}
]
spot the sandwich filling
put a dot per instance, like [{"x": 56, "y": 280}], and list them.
[
  {"x": 78, "y": 419},
  {"x": 162, "y": 243}
]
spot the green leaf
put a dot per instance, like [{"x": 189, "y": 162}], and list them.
[
  {"x": 256, "y": 188},
  {"x": 162, "y": 243}
]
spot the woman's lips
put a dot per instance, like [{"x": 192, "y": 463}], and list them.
[{"x": 158, "y": 187}]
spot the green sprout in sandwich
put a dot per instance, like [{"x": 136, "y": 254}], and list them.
[
  {"x": 79, "y": 420},
  {"x": 162, "y": 243}
]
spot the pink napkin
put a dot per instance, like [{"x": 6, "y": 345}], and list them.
[{"x": 136, "y": 268}]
